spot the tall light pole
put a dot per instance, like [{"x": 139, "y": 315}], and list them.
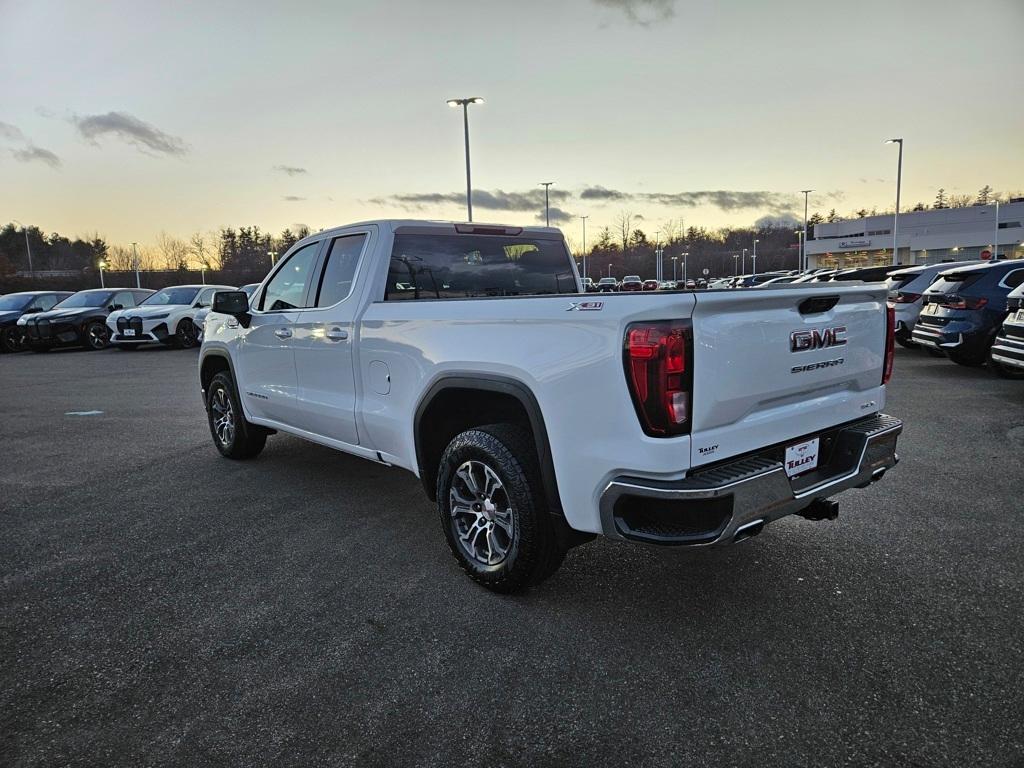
[
  {"x": 609, "y": 270},
  {"x": 135, "y": 262},
  {"x": 736, "y": 264},
  {"x": 803, "y": 245},
  {"x": 896, "y": 216},
  {"x": 547, "y": 203},
  {"x": 28, "y": 248},
  {"x": 464, "y": 103},
  {"x": 674, "y": 258},
  {"x": 753, "y": 257},
  {"x": 800, "y": 258},
  {"x": 995, "y": 242},
  {"x": 684, "y": 255},
  {"x": 584, "y": 218},
  {"x": 102, "y": 264},
  {"x": 744, "y": 264},
  {"x": 273, "y": 258}
]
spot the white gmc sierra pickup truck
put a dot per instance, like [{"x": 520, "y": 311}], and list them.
[{"x": 538, "y": 416}]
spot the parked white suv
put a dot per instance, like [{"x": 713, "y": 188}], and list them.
[
  {"x": 166, "y": 317},
  {"x": 468, "y": 354},
  {"x": 1008, "y": 349}
]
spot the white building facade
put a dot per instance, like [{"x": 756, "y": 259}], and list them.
[{"x": 925, "y": 237}]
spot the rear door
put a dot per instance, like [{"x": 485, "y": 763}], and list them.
[
  {"x": 324, "y": 342},
  {"x": 775, "y": 364}
]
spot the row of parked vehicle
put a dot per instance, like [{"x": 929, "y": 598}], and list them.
[
  {"x": 635, "y": 283},
  {"x": 97, "y": 318}
]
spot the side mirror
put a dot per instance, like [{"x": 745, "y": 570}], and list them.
[
  {"x": 115, "y": 307},
  {"x": 234, "y": 303},
  {"x": 32, "y": 310}
]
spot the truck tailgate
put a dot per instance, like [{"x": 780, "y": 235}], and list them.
[{"x": 776, "y": 364}]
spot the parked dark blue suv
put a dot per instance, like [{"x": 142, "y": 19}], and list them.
[{"x": 964, "y": 309}]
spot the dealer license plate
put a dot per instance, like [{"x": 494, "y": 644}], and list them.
[
  {"x": 801, "y": 457},
  {"x": 129, "y": 331}
]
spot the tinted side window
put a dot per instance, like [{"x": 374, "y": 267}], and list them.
[
  {"x": 205, "y": 298},
  {"x": 124, "y": 298},
  {"x": 462, "y": 266},
  {"x": 342, "y": 260},
  {"x": 287, "y": 289},
  {"x": 1014, "y": 279}
]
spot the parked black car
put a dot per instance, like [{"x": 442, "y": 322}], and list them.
[
  {"x": 607, "y": 285},
  {"x": 14, "y": 305},
  {"x": 80, "y": 320},
  {"x": 964, "y": 310},
  {"x": 867, "y": 274}
]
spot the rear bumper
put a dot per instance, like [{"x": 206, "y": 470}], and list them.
[
  {"x": 1008, "y": 348},
  {"x": 720, "y": 505}
]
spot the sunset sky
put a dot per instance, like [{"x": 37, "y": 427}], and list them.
[{"x": 131, "y": 118}]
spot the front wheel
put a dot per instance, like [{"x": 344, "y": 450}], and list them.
[
  {"x": 187, "y": 335},
  {"x": 234, "y": 437},
  {"x": 97, "y": 335},
  {"x": 490, "y": 501},
  {"x": 12, "y": 339}
]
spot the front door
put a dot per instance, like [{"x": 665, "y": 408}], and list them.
[{"x": 265, "y": 362}]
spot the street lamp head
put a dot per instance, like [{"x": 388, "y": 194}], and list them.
[
  {"x": 894, "y": 141},
  {"x": 461, "y": 102}
]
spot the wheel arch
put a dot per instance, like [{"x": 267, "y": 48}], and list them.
[{"x": 480, "y": 396}]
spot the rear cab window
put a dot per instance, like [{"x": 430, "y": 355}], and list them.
[
  {"x": 954, "y": 282},
  {"x": 455, "y": 266}
]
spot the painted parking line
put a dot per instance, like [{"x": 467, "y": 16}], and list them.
[{"x": 84, "y": 413}]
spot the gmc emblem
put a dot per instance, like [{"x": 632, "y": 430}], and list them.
[{"x": 801, "y": 341}]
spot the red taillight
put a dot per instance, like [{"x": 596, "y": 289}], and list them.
[
  {"x": 905, "y": 298},
  {"x": 890, "y": 344},
  {"x": 660, "y": 376},
  {"x": 965, "y": 302}
]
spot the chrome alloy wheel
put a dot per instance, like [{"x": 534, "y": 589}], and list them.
[
  {"x": 97, "y": 336},
  {"x": 481, "y": 513},
  {"x": 223, "y": 416}
]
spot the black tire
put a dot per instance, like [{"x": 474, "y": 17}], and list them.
[
  {"x": 906, "y": 343},
  {"x": 243, "y": 440},
  {"x": 967, "y": 359},
  {"x": 12, "y": 339},
  {"x": 186, "y": 335},
  {"x": 532, "y": 553},
  {"x": 96, "y": 336}
]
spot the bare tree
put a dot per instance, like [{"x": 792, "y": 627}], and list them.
[
  {"x": 173, "y": 252},
  {"x": 119, "y": 259},
  {"x": 624, "y": 223},
  {"x": 203, "y": 251},
  {"x": 959, "y": 201}
]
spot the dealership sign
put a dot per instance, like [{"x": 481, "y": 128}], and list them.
[{"x": 854, "y": 243}]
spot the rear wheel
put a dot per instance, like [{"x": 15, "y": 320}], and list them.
[
  {"x": 97, "y": 335},
  {"x": 968, "y": 359},
  {"x": 187, "y": 334},
  {"x": 234, "y": 437},
  {"x": 12, "y": 339},
  {"x": 490, "y": 501}
]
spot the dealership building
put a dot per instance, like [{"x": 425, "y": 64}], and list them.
[{"x": 925, "y": 237}]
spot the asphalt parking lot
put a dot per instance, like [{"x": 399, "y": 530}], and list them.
[{"x": 160, "y": 605}]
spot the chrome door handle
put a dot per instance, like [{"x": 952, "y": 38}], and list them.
[
  {"x": 283, "y": 333},
  {"x": 336, "y": 334}
]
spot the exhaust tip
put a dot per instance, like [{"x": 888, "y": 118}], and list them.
[{"x": 748, "y": 530}]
